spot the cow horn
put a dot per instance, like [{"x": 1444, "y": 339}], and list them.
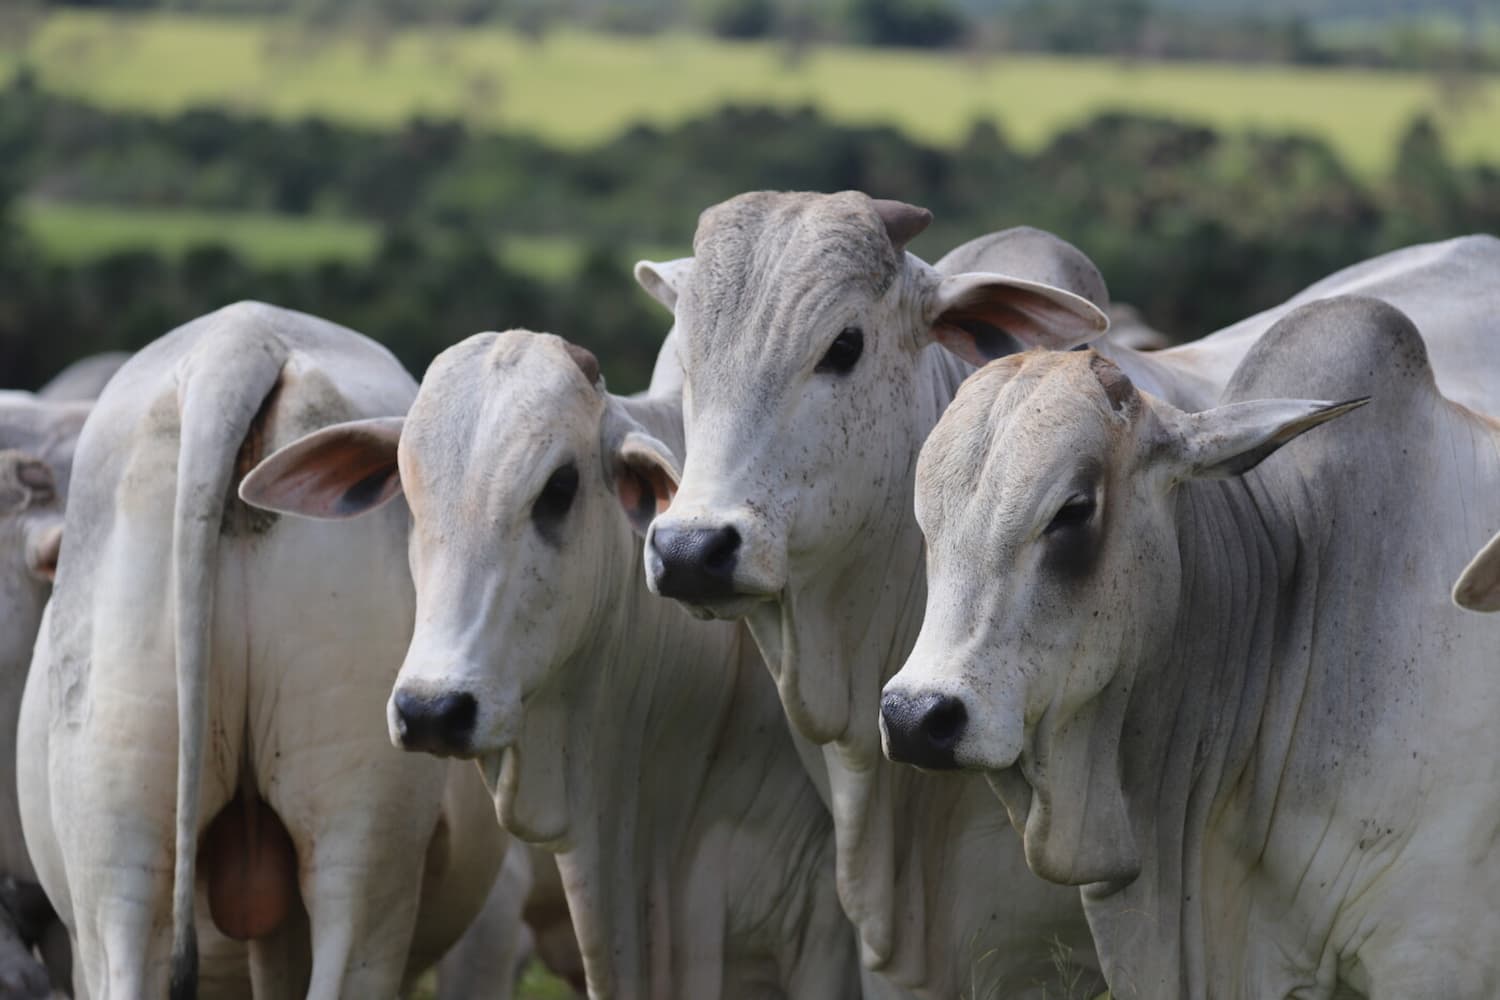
[
  {"x": 902, "y": 222},
  {"x": 585, "y": 360}
]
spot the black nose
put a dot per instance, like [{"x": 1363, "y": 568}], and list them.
[
  {"x": 441, "y": 724},
  {"x": 694, "y": 564},
  {"x": 923, "y": 729}
]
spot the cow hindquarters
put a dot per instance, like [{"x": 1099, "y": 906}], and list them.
[{"x": 360, "y": 813}]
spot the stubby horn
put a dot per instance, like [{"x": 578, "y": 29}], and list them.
[
  {"x": 585, "y": 360},
  {"x": 903, "y": 222}
]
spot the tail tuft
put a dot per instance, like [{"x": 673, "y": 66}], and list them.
[{"x": 185, "y": 970}]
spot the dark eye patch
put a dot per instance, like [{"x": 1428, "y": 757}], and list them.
[
  {"x": 554, "y": 502},
  {"x": 1075, "y": 513},
  {"x": 1072, "y": 538},
  {"x": 844, "y": 353}
]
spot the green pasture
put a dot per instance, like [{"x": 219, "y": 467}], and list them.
[
  {"x": 72, "y": 232},
  {"x": 576, "y": 88}
]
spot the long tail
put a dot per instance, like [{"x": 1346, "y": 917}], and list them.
[{"x": 221, "y": 386}]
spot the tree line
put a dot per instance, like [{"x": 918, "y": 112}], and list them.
[
  {"x": 1444, "y": 35},
  {"x": 1194, "y": 226}
]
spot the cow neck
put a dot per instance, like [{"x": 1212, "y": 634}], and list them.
[
  {"x": 1205, "y": 688},
  {"x": 922, "y": 858},
  {"x": 648, "y": 693}
]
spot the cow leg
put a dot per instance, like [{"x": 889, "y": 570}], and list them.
[
  {"x": 21, "y": 975},
  {"x": 486, "y": 961}
]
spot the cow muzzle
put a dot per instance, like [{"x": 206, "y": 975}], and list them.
[
  {"x": 718, "y": 566},
  {"x": 693, "y": 564},
  {"x": 440, "y": 724},
  {"x": 922, "y": 729}
]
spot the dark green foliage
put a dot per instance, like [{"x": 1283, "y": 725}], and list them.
[
  {"x": 1196, "y": 227},
  {"x": 743, "y": 18},
  {"x": 924, "y": 24}
]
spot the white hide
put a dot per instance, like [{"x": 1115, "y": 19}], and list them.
[
  {"x": 37, "y": 438},
  {"x": 815, "y": 472},
  {"x": 644, "y": 747},
  {"x": 84, "y": 379},
  {"x": 287, "y": 638},
  {"x": 31, "y": 506},
  {"x": 1231, "y": 700}
]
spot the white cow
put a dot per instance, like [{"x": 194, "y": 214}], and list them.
[
  {"x": 1230, "y": 699},
  {"x": 30, "y": 526},
  {"x": 84, "y": 379},
  {"x": 37, "y": 438},
  {"x": 204, "y": 702},
  {"x": 813, "y": 352},
  {"x": 645, "y": 747}
]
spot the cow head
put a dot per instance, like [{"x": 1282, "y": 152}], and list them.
[
  {"x": 1478, "y": 587},
  {"x": 800, "y": 323},
  {"x": 1046, "y": 494},
  {"x": 31, "y": 523},
  {"x": 30, "y": 512},
  {"x": 529, "y": 487}
]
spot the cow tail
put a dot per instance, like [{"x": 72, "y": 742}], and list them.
[{"x": 221, "y": 387}]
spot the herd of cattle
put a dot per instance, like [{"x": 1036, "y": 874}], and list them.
[{"x": 1194, "y": 708}]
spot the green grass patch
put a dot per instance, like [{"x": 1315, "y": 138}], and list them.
[
  {"x": 576, "y": 88},
  {"x": 536, "y": 984},
  {"x": 71, "y": 232}
]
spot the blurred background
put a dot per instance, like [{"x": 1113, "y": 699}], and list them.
[{"x": 424, "y": 169}]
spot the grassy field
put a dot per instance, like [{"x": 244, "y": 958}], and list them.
[
  {"x": 576, "y": 88},
  {"x": 73, "y": 232},
  {"x": 70, "y": 233}
]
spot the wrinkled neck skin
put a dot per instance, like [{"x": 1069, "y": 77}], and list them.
[
  {"x": 1285, "y": 740},
  {"x": 682, "y": 808},
  {"x": 927, "y": 863}
]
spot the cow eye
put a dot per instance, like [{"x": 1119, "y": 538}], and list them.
[
  {"x": 844, "y": 352},
  {"x": 555, "y": 500},
  {"x": 1072, "y": 514}
]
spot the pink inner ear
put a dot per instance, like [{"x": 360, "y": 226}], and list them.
[
  {"x": 1030, "y": 317},
  {"x": 644, "y": 489},
  {"x": 44, "y": 557},
  {"x": 342, "y": 475}
]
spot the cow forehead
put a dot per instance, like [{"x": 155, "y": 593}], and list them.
[
  {"x": 1018, "y": 424},
  {"x": 767, "y": 265},
  {"x": 492, "y": 408}
]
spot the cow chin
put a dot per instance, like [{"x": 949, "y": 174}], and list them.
[{"x": 730, "y": 608}]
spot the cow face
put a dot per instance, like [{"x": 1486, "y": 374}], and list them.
[
  {"x": 524, "y": 479},
  {"x": 800, "y": 321},
  {"x": 1046, "y": 494}
]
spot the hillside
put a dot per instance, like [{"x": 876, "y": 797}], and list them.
[{"x": 576, "y": 88}]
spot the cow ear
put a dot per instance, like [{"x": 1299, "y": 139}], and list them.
[
  {"x": 43, "y": 546},
  {"x": 1231, "y": 440},
  {"x": 1478, "y": 586},
  {"x": 337, "y": 472},
  {"x": 662, "y": 279},
  {"x": 646, "y": 475},
  {"x": 981, "y": 316}
]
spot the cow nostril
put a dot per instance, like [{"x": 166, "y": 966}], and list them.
[
  {"x": 441, "y": 724},
  {"x": 719, "y": 555},
  {"x": 944, "y": 722},
  {"x": 923, "y": 729}
]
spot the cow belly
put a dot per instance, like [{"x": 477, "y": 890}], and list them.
[{"x": 247, "y": 858}]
